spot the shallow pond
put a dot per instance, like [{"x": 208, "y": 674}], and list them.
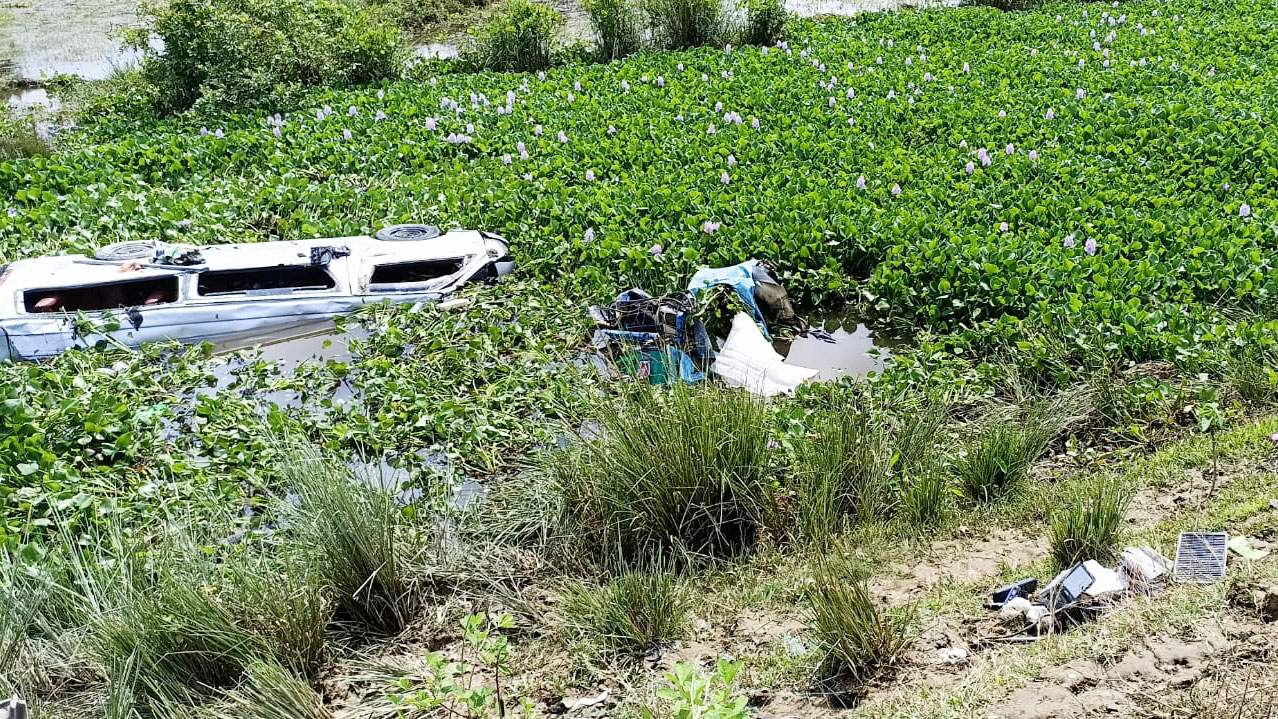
[{"x": 840, "y": 345}]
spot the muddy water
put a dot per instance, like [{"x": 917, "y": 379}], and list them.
[{"x": 840, "y": 346}]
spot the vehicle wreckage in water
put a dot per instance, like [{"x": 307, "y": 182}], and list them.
[{"x": 139, "y": 292}]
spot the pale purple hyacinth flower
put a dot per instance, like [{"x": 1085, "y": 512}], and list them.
[
  {"x": 661, "y": 81},
  {"x": 679, "y": 117},
  {"x": 505, "y": 159},
  {"x": 1069, "y": 241},
  {"x": 275, "y": 131},
  {"x": 891, "y": 94},
  {"x": 763, "y": 50},
  {"x": 541, "y": 75},
  {"x": 204, "y": 131},
  {"x": 984, "y": 156},
  {"x": 962, "y": 143},
  {"x": 379, "y": 116},
  {"x": 430, "y": 123},
  {"x": 625, "y": 86},
  {"x": 754, "y": 122},
  {"x": 590, "y": 235},
  {"x": 520, "y": 147},
  {"x": 1002, "y": 227},
  {"x": 896, "y": 189},
  {"x": 319, "y": 115},
  {"x": 727, "y": 48},
  {"x": 967, "y": 68},
  {"x": 590, "y": 175},
  {"x": 528, "y": 176},
  {"x": 851, "y": 93},
  {"x": 705, "y": 77},
  {"x": 710, "y": 227},
  {"x": 612, "y": 130},
  {"x": 1051, "y": 115},
  {"x": 328, "y": 110},
  {"x": 922, "y": 57},
  {"x": 927, "y": 77},
  {"x": 1090, "y": 246},
  {"x": 1244, "y": 210},
  {"x": 710, "y": 130},
  {"x": 878, "y": 60},
  {"x": 851, "y": 122},
  {"x": 469, "y": 128},
  {"x": 724, "y": 178},
  {"x": 523, "y": 154},
  {"x": 571, "y": 98},
  {"x": 832, "y": 101},
  {"x": 1002, "y": 113},
  {"x": 655, "y": 250},
  {"x": 732, "y": 160},
  {"x": 1080, "y": 93},
  {"x": 562, "y": 137},
  {"x": 219, "y": 133},
  {"x": 346, "y": 134},
  {"x": 1010, "y": 149},
  {"x": 718, "y": 107},
  {"x": 970, "y": 167},
  {"x": 537, "y": 130},
  {"x": 680, "y": 67},
  {"x": 909, "y": 61},
  {"x": 1033, "y": 154},
  {"x": 577, "y": 86},
  {"x": 860, "y": 182},
  {"x": 352, "y": 112}
]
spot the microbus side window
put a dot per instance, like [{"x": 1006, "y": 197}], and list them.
[
  {"x": 265, "y": 281},
  {"x": 100, "y": 297}
]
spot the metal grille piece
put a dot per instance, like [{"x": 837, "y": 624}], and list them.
[{"x": 1200, "y": 557}]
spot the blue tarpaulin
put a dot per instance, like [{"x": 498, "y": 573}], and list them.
[
  {"x": 740, "y": 278},
  {"x": 650, "y": 342}
]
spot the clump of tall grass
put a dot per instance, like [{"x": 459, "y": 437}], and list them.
[
  {"x": 860, "y": 638},
  {"x": 18, "y": 136},
  {"x": 996, "y": 462},
  {"x": 684, "y": 24},
  {"x": 519, "y": 37},
  {"x": 616, "y": 25},
  {"x": 176, "y": 639},
  {"x": 629, "y": 614},
  {"x": 354, "y": 528},
  {"x": 1088, "y": 525},
  {"x": 1253, "y": 378},
  {"x": 271, "y": 691},
  {"x": 280, "y": 598},
  {"x": 859, "y": 465},
  {"x": 845, "y": 470},
  {"x": 764, "y": 22},
  {"x": 673, "y": 472},
  {"x": 21, "y": 601}
]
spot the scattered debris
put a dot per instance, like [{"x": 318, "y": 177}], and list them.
[
  {"x": 1241, "y": 546},
  {"x": 952, "y": 655},
  {"x": 1273, "y": 504},
  {"x": 1077, "y": 594},
  {"x": 1003, "y": 595},
  {"x": 571, "y": 703},
  {"x": 13, "y": 708},
  {"x": 1200, "y": 557},
  {"x": 748, "y": 360}
]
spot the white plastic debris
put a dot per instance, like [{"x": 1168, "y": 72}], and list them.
[
  {"x": 1013, "y": 612},
  {"x": 1144, "y": 566},
  {"x": 1105, "y": 581},
  {"x": 748, "y": 360},
  {"x": 952, "y": 655},
  {"x": 571, "y": 703}
]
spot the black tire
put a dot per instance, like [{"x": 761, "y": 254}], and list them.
[
  {"x": 120, "y": 251},
  {"x": 407, "y": 233}
]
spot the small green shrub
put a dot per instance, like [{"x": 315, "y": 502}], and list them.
[
  {"x": 1009, "y": 5},
  {"x": 859, "y": 638},
  {"x": 518, "y": 38},
  {"x": 684, "y": 24},
  {"x": 419, "y": 15},
  {"x": 234, "y": 53},
  {"x": 693, "y": 695},
  {"x": 685, "y": 470},
  {"x": 1253, "y": 378},
  {"x": 630, "y": 614},
  {"x": 764, "y": 22},
  {"x": 1088, "y": 525},
  {"x": 354, "y": 530},
  {"x": 616, "y": 27}
]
